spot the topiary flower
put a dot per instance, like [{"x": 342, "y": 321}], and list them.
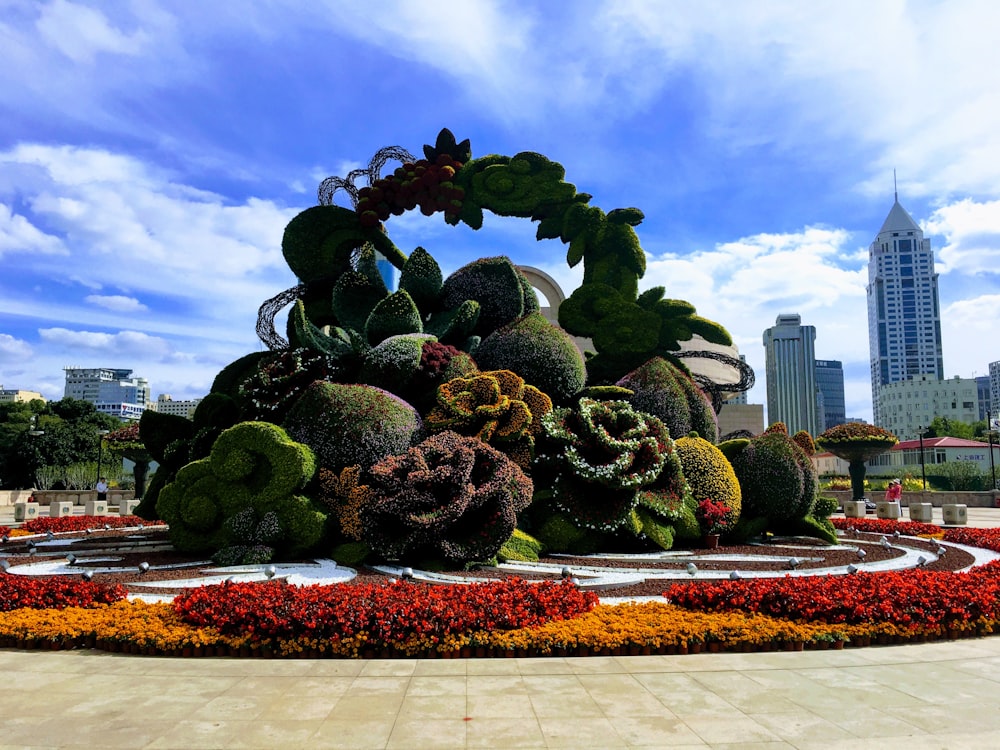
[
  {"x": 497, "y": 407},
  {"x": 345, "y": 495},
  {"x": 449, "y": 496},
  {"x": 244, "y": 494},
  {"x": 604, "y": 443}
]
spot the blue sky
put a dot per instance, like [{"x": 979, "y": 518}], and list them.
[{"x": 152, "y": 152}]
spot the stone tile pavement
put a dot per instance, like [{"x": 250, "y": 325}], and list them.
[{"x": 939, "y": 695}]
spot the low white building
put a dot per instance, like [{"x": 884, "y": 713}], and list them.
[{"x": 166, "y": 405}]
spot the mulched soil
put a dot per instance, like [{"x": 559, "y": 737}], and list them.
[{"x": 103, "y": 542}]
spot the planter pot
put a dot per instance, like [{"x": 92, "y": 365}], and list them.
[{"x": 710, "y": 541}]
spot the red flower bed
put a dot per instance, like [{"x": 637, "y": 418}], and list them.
[
  {"x": 82, "y": 523},
  {"x": 391, "y": 613},
  {"x": 911, "y": 598},
  {"x": 985, "y": 538},
  {"x": 23, "y": 592},
  {"x": 887, "y": 526}
]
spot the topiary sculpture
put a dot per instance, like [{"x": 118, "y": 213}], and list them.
[
  {"x": 502, "y": 292},
  {"x": 804, "y": 440},
  {"x": 253, "y": 472},
  {"x": 497, "y": 407},
  {"x": 710, "y": 476},
  {"x": 667, "y": 391},
  {"x": 601, "y": 453},
  {"x": 449, "y": 496},
  {"x": 777, "y": 478},
  {"x": 347, "y": 425},
  {"x": 543, "y": 354}
]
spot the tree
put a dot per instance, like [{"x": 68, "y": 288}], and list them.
[
  {"x": 944, "y": 427},
  {"x": 126, "y": 443},
  {"x": 67, "y": 433}
]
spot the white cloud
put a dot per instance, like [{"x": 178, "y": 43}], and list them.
[
  {"x": 971, "y": 230},
  {"x": 117, "y": 303},
  {"x": 13, "y": 350},
  {"x": 18, "y": 235},
  {"x": 110, "y": 344},
  {"x": 81, "y": 32}
]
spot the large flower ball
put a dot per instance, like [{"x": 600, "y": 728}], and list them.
[
  {"x": 541, "y": 353},
  {"x": 778, "y": 479},
  {"x": 347, "y": 425},
  {"x": 666, "y": 391},
  {"x": 709, "y": 474}
]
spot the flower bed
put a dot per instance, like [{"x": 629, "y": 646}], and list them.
[{"x": 514, "y": 617}]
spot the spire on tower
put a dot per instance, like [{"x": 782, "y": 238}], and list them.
[{"x": 895, "y": 193}]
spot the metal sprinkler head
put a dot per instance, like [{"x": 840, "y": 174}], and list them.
[
  {"x": 851, "y": 569},
  {"x": 921, "y": 561},
  {"x": 566, "y": 573},
  {"x": 143, "y": 567},
  {"x": 71, "y": 558},
  {"x": 735, "y": 576},
  {"x": 87, "y": 575},
  {"x": 794, "y": 562},
  {"x": 862, "y": 554},
  {"x": 940, "y": 551},
  {"x": 4, "y": 565},
  {"x": 270, "y": 571},
  {"x": 692, "y": 569},
  {"x": 406, "y": 574},
  {"x": 49, "y": 536}
]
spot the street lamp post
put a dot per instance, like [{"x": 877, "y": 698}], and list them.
[
  {"x": 989, "y": 439},
  {"x": 923, "y": 471}
]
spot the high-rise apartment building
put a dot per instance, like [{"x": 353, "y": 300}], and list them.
[
  {"x": 790, "y": 370},
  {"x": 904, "y": 317},
  {"x": 830, "y": 404},
  {"x": 165, "y": 404}
]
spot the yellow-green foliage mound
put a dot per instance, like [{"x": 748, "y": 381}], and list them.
[{"x": 710, "y": 474}]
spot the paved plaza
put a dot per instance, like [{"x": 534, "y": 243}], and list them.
[{"x": 938, "y": 695}]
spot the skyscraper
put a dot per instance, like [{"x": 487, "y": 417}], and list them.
[
  {"x": 904, "y": 317},
  {"x": 790, "y": 369},
  {"x": 830, "y": 393}
]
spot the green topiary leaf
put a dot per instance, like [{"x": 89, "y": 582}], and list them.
[
  {"x": 354, "y": 298},
  {"x": 393, "y": 316},
  {"x": 454, "y": 326},
  {"x": 421, "y": 278}
]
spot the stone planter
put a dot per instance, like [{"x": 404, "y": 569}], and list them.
[
  {"x": 922, "y": 512},
  {"x": 710, "y": 541}
]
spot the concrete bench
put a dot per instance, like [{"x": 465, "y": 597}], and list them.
[{"x": 922, "y": 512}]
